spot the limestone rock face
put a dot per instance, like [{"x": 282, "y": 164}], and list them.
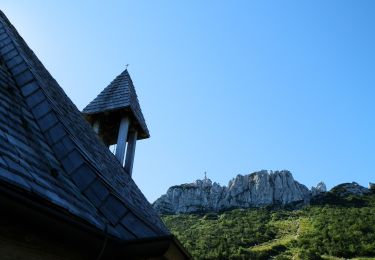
[
  {"x": 254, "y": 190},
  {"x": 320, "y": 188}
]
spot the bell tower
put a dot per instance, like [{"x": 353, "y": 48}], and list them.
[{"x": 116, "y": 116}]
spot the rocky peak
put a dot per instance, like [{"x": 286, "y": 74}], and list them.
[{"x": 318, "y": 189}]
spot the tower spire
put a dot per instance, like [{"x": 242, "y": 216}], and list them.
[{"x": 117, "y": 118}]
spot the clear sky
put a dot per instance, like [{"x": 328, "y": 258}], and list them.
[{"x": 227, "y": 87}]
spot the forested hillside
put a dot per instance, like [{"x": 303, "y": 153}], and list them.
[{"x": 333, "y": 227}]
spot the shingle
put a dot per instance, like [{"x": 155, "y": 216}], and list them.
[
  {"x": 15, "y": 166},
  {"x": 96, "y": 193},
  {"x": 23, "y": 78},
  {"x": 55, "y": 133},
  {"x": 29, "y": 87},
  {"x": 113, "y": 209},
  {"x": 47, "y": 121},
  {"x": 19, "y": 68},
  {"x": 3, "y": 35},
  {"x": 15, "y": 61},
  {"x": 2, "y": 162},
  {"x": 36, "y": 98},
  {"x": 83, "y": 176},
  {"x": 39, "y": 180},
  {"x": 72, "y": 161},
  {"x": 5, "y": 42},
  {"x": 95, "y": 221},
  {"x": 124, "y": 233},
  {"x": 7, "y": 48},
  {"x": 63, "y": 147},
  {"x": 14, "y": 179},
  {"x": 25, "y": 111},
  {"x": 41, "y": 109},
  {"x": 20, "y": 144},
  {"x": 4, "y": 117},
  {"x": 133, "y": 223},
  {"x": 50, "y": 157},
  {"x": 10, "y": 55},
  {"x": 69, "y": 145},
  {"x": 28, "y": 123},
  {"x": 51, "y": 196}
]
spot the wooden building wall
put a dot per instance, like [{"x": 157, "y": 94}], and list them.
[{"x": 18, "y": 242}]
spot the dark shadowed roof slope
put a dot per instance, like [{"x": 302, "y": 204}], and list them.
[
  {"x": 118, "y": 95},
  {"x": 47, "y": 149}
]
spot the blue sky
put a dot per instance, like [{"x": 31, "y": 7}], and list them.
[{"x": 227, "y": 87}]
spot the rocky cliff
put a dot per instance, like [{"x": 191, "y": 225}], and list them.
[{"x": 254, "y": 190}]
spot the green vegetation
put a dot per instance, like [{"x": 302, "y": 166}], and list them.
[{"x": 331, "y": 228}]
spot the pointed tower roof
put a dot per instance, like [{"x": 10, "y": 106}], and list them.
[{"x": 119, "y": 96}]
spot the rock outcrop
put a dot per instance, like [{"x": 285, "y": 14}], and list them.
[
  {"x": 320, "y": 188},
  {"x": 346, "y": 189},
  {"x": 258, "y": 189}
]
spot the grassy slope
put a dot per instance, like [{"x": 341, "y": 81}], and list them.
[{"x": 331, "y": 229}]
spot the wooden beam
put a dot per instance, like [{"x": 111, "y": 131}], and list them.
[
  {"x": 130, "y": 152},
  {"x": 121, "y": 139},
  {"x": 96, "y": 126}
]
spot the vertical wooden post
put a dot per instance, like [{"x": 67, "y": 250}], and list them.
[
  {"x": 96, "y": 126},
  {"x": 121, "y": 139},
  {"x": 130, "y": 152}
]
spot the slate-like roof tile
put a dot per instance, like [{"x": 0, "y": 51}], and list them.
[
  {"x": 61, "y": 150},
  {"x": 15, "y": 179},
  {"x": 18, "y": 69},
  {"x": 83, "y": 176},
  {"x": 23, "y": 78},
  {"x": 96, "y": 193},
  {"x": 29, "y": 88},
  {"x": 36, "y": 98},
  {"x": 2, "y": 162},
  {"x": 48, "y": 121},
  {"x": 5, "y": 48},
  {"x": 125, "y": 233},
  {"x": 15, "y": 166},
  {"x": 55, "y": 133},
  {"x": 41, "y": 109},
  {"x": 10, "y": 55},
  {"x": 15, "y": 61},
  {"x": 113, "y": 209},
  {"x": 132, "y": 223},
  {"x": 72, "y": 161}
]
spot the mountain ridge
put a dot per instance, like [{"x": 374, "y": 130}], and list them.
[{"x": 258, "y": 189}]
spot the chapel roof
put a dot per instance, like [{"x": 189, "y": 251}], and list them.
[{"x": 49, "y": 151}]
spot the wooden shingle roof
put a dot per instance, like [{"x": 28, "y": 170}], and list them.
[
  {"x": 48, "y": 150},
  {"x": 119, "y": 95}
]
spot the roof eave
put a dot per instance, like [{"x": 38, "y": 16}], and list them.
[
  {"x": 143, "y": 132},
  {"x": 63, "y": 225}
]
